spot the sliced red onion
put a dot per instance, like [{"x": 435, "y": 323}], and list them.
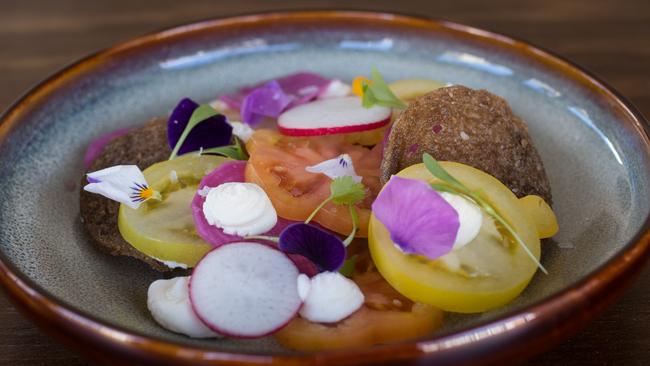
[
  {"x": 214, "y": 131},
  {"x": 302, "y": 87},
  {"x": 418, "y": 219},
  {"x": 325, "y": 250},
  {"x": 269, "y": 100},
  {"x": 96, "y": 146}
]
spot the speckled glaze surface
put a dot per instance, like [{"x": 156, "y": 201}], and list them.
[{"x": 594, "y": 149}]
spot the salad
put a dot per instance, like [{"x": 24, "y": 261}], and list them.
[{"x": 323, "y": 213}]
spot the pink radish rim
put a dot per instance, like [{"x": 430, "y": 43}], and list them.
[{"x": 320, "y": 131}]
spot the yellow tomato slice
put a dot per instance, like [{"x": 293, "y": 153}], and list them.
[
  {"x": 165, "y": 229},
  {"x": 409, "y": 89},
  {"x": 485, "y": 274},
  {"x": 541, "y": 214}
]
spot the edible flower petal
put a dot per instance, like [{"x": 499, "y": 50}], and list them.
[
  {"x": 357, "y": 85},
  {"x": 417, "y": 217},
  {"x": 195, "y": 127},
  {"x": 97, "y": 145},
  {"x": 266, "y": 101},
  {"x": 340, "y": 166},
  {"x": 121, "y": 183},
  {"x": 302, "y": 87},
  {"x": 325, "y": 250}
]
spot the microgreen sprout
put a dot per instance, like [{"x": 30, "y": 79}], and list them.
[
  {"x": 377, "y": 92},
  {"x": 344, "y": 191},
  {"x": 452, "y": 185},
  {"x": 235, "y": 151}
]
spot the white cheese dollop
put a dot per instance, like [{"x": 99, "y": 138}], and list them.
[
  {"x": 335, "y": 89},
  {"x": 169, "y": 304},
  {"x": 240, "y": 209},
  {"x": 469, "y": 216},
  {"x": 328, "y": 297},
  {"x": 241, "y": 130}
]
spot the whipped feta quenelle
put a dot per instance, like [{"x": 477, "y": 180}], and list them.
[
  {"x": 239, "y": 209},
  {"x": 169, "y": 304},
  {"x": 328, "y": 297},
  {"x": 470, "y": 218}
]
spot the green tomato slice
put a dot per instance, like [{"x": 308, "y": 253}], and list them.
[{"x": 165, "y": 229}]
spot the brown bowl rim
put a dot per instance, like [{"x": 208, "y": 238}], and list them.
[{"x": 511, "y": 337}]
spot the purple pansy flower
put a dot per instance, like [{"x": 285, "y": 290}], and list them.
[
  {"x": 214, "y": 131},
  {"x": 266, "y": 101},
  {"x": 325, "y": 250}
]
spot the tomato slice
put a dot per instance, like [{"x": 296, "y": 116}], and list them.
[
  {"x": 485, "y": 274},
  {"x": 277, "y": 163},
  {"x": 385, "y": 317}
]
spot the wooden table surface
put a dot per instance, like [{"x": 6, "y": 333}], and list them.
[{"x": 610, "y": 38}]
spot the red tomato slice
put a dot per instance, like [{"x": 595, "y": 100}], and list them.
[
  {"x": 277, "y": 164},
  {"x": 385, "y": 317}
]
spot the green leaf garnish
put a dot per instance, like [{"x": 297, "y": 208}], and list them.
[
  {"x": 345, "y": 191},
  {"x": 235, "y": 151},
  {"x": 452, "y": 185},
  {"x": 434, "y": 168},
  {"x": 200, "y": 114},
  {"x": 347, "y": 269},
  {"x": 442, "y": 187},
  {"x": 377, "y": 92}
]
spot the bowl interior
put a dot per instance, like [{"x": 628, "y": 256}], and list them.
[{"x": 596, "y": 160}]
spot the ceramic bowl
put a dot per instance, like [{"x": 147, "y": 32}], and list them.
[{"x": 593, "y": 143}]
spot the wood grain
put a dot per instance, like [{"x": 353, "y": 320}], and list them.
[{"x": 610, "y": 38}]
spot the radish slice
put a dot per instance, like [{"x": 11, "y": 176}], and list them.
[
  {"x": 245, "y": 290},
  {"x": 332, "y": 116}
]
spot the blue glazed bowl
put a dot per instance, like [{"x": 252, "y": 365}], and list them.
[{"x": 593, "y": 143}]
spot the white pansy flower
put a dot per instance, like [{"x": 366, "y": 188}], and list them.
[
  {"x": 121, "y": 183},
  {"x": 340, "y": 166}
]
